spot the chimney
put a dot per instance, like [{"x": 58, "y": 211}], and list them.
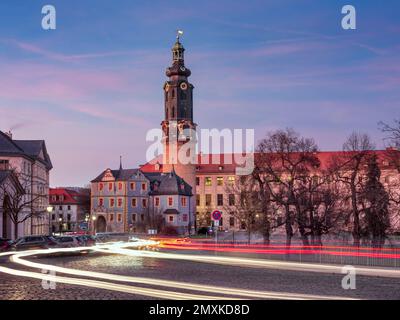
[{"x": 9, "y": 134}]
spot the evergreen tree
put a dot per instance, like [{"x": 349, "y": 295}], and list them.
[{"x": 377, "y": 220}]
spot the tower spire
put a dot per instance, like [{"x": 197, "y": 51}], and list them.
[{"x": 120, "y": 163}]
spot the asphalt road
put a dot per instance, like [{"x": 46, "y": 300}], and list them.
[{"x": 206, "y": 274}]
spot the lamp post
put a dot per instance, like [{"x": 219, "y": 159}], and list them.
[
  {"x": 60, "y": 225},
  {"x": 50, "y": 210},
  {"x": 87, "y": 223},
  {"x": 94, "y": 225}
]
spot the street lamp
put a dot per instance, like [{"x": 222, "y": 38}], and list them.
[
  {"x": 60, "y": 224},
  {"x": 94, "y": 225},
  {"x": 50, "y": 210}
]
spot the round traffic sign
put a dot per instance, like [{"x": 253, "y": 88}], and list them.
[{"x": 217, "y": 215}]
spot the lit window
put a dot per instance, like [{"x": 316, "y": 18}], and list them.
[
  {"x": 134, "y": 202},
  {"x": 231, "y": 180},
  {"x": 220, "y": 181},
  {"x": 208, "y": 181},
  {"x": 170, "y": 201}
]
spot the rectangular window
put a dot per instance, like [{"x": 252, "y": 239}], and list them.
[
  {"x": 134, "y": 202},
  {"x": 144, "y": 203},
  {"x": 197, "y": 200},
  {"x": 60, "y": 208},
  {"x": 220, "y": 181},
  {"x": 183, "y": 201},
  {"x": 101, "y": 186},
  {"x": 134, "y": 217},
  {"x": 170, "y": 201},
  {"x": 119, "y": 217},
  {"x": 231, "y": 221},
  {"x": 119, "y": 202},
  {"x": 231, "y": 180},
  {"x": 111, "y": 217},
  {"x": 68, "y": 217},
  {"x": 171, "y": 218},
  {"x": 53, "y": 217},
  {"x": 144, "y": 186},
  {"x": 208, "y": 199},
  {"x": 142, "y": 217},
  {"x": 157, "y": 201},
  {"x": 110, "y": 186},
  {"x": 120, "y": 186},
  {"x": 220, "y": 199},
  {"x": 112, "y": 203},
  {"x": 197, "y": 181},
  {"x": 69, "y": 207},
  {"x": 185, "y": 217},
  {"x": 133, "y": 186},
  {"x": 231, "y": 199},
  {"x": 101, "y": 202},
  {"x": 207, "y": 181}
]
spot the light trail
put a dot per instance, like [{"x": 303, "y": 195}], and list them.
[
  {"x": 259, "y": 263},
  {"x": 282, "y": 250},
  {"x": 173, "y": 284},
  {"x": 213, "y": 292}
]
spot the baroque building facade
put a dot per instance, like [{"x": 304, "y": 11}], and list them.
[{"x": 30, "y": 162}]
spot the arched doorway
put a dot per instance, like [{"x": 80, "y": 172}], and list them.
[{"x": 101, "y": 224}]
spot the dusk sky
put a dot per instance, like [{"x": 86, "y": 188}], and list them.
[{"x": 92, "y": 88}]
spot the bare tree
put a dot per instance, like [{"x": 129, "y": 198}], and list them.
[
  {"x": 283, "y": 162},
  {"x": 350, "y": 170},
  {"x": 21, "y": 205}
]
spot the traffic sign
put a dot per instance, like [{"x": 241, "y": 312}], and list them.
[
  {"x": 83, "y": 226},
  {"x": 217, "y": 215}
]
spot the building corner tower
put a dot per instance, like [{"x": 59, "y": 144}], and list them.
[{"x": 178, "y": 128}]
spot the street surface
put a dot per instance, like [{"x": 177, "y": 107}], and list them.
[{"x": 126, "y": 273}]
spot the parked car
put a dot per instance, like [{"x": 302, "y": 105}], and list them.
[
  {"x": 86, "y": 240},
  {"x": 5, "y": 244},
  {"x": 34, "y": 242},
  {"x": 68, "y": 242}
]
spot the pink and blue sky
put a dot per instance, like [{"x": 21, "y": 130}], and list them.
[{"x": 93, "y": 87}]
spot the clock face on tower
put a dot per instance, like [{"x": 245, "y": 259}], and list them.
[
  {"x": 182, "y": 68},
  {"x": 184, "y": 86}
]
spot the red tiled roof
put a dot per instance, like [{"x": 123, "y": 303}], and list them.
[
  {"x": 225, "y": 163},
  {"x": 70, "y": 196}
]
